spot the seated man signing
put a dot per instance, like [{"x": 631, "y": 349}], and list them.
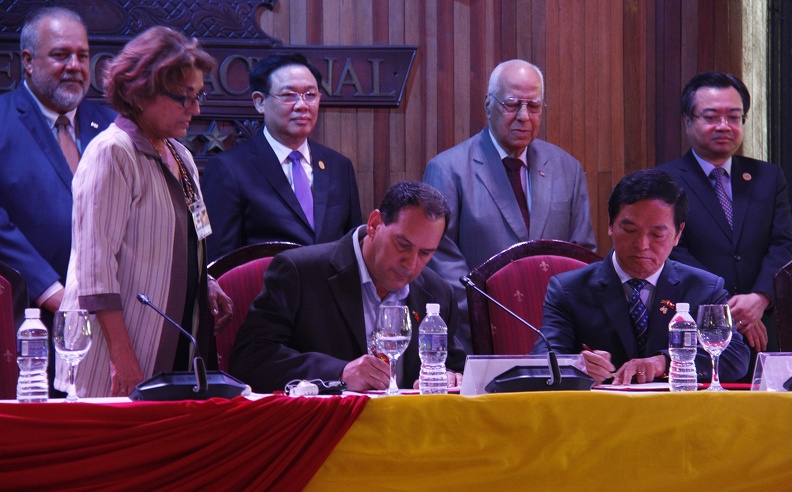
[
  {"x": 616, "y": 311},
  {"x": 319, "y": 304}
]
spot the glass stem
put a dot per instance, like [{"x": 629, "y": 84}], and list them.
[
  {"x": 715, "y": 378},
  {"x": 393, "y": 385}
]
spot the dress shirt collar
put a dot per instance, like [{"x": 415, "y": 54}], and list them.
[
  {"x": 49, "y": 115},
  {"x": 707, "y": 167},
  {"x": 503, "y": 154},
  {"x": 282, "y": 152},
  {"x": 624, "y": 276},
  {"x": 372, "y": 301}
]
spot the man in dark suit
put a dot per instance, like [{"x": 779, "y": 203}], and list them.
[
  {"x": 319, "y": 303},
  {"x": 35, "y": 174},
  {"x": 616, "y": 311},
  {"x": 739, "y": 225},
  {"x": 262, "y": 190},
  {"x": 504, "y": 185}
]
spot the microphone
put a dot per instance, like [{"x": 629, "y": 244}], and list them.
[
  {"x": 196, "y": 385},
  {"x": 521, "y": 380},
  {"x": 198, "y": 364}
]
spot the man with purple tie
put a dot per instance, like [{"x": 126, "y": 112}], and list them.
[{"x": 281, "y": 186}]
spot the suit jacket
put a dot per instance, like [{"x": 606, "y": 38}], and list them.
[
  {"x": 308, "y": 323},
  {"x": 249, "y": 199},
  {"x": 485, "y": 217},
  {"x": 761, "y": 243},
  {"x": 589, "y": 306},
  {"x": 35, "y": 188}
]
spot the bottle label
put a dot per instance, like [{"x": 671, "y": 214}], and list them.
[
  {"x": 432, "y": 341},
  {"x": 681, "y": 339},
  {"x": 32, "y": 348}
]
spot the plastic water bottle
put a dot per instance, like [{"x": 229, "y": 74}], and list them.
[
  {"x": 433, "y": 350},
  {"x": 32, "y": 353},
  {"x": 682, "y": 347}
]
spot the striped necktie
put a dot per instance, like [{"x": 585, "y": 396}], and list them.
[{"x": 638, "y": 314}]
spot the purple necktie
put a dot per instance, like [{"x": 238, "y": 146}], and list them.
[
  {"x": 513, "y": 172},
  {"x": 717, "y": 174},
  {"x": 302, "y": 188}
]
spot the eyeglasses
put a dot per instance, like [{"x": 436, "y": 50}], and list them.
[
  {"x": 310, "y": 98},
  {"x": 512, "y": 105},
  {"x": 187, "y": 101},
  {"x": 717, "y": 119}
]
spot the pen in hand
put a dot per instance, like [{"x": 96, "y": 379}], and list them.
[{"x": 589, "y": 349}]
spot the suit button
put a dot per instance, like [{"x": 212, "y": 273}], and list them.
[{"x": 737, "y": 258}]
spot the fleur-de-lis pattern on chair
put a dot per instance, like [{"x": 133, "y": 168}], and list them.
[
  {"x": 518, "y": 278},
  {"x": 240, "y": 274},
  {"x": 13, "y": 301}
]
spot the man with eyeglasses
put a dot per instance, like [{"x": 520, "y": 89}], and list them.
[
  {"x": 504, "y": 185},
  {"x": 281, "y": 186},
  {"x": 47, "y": 124},
  {"x": 739, "y": 225}
]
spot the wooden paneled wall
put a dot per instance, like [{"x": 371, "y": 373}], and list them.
[{"x": 614, "y": 70}]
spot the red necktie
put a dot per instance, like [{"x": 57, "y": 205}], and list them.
[{"x": 513, "y": 171}]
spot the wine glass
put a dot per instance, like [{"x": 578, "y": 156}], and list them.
[
  {"x": 72, "y": 338},
  {"x": 390, "y": 338},
  {"x": 715, "y": 332}
]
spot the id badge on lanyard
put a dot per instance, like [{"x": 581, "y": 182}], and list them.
[{"x": 200, "y": 219}]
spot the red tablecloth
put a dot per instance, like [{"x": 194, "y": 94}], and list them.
[{"x": 275, "y": 443}]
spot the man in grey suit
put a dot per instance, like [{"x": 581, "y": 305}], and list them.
[{"x": 505, "y": 186}]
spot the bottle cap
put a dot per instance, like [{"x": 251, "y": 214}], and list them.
[
  {"x": 682, "y": 307},
  {"x": 31, "y": 313},
  {"x": 432, "y": 308}
]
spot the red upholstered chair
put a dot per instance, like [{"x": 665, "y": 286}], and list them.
[
  {"x": 518, "y": 278},
  {"x": 782, "y": 285},
  {"x": 13, "y": 301},
  {"x": 241, "y": 276}
]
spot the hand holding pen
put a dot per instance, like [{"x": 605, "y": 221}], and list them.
[{"x": 598, "y": 364}]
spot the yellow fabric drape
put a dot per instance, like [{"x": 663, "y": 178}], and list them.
[{"x": 567, "y": 441}]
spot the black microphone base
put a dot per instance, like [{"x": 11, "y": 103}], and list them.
[
  {"x": 535, "y": 378},
  {"x": 169, "y": 386}
]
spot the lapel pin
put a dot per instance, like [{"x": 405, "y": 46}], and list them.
[
  {"x": 321, "y": 165},
  {"x": 747, "y": 176},
  {"x": 541, "y": 173},
  {"x": 94, "y": 125},
  {"x": 666, "y": 305},
  {"x": 416, "y": 316}
]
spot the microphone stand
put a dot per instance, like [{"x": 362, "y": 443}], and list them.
[
  {"x": 186, "y": 385},
  {"x": 198, "y": 364},
  {"x": 575, "y": 378}
]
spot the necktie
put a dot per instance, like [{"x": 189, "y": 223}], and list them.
[
  {"x": 638, "y": 314},
  {"x": 66, "y": 142},
  {"x": 726, "y": 203},
  {"x": 513, "y": 172},
  {"x": 302, "y": 188}
]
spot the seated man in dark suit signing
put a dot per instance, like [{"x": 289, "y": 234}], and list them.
[
  {"x": 319, "y": 304},
  {"x": 616, "y": 311}
]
